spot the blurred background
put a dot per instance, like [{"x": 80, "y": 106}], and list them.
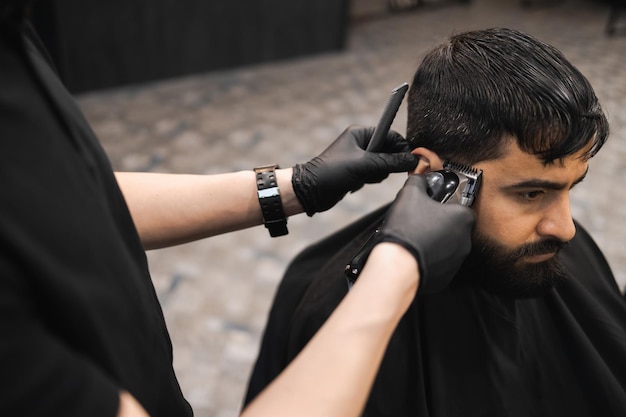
[{"x": 206, "y": 87}]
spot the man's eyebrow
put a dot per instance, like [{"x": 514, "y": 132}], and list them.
[{"x": 550, "y": 185}]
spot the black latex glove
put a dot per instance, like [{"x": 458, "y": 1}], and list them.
[
  {"x": 438, "y": 235},
  {"x": 345, "y": 166}
]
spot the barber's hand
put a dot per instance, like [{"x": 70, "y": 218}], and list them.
[
  {"x": 438, "y": 235},
  {"x": 345, "y": 166}
]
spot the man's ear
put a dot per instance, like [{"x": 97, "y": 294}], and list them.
[{"x": 428, "y": 161}]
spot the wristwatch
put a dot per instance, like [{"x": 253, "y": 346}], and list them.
[{"x": 269, "y": 199}]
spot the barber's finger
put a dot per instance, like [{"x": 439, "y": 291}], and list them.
[{"x": 387, "y": 163}]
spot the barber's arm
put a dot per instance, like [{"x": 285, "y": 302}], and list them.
[
  {"x": 169, "y": 209},
  {"x": 422, "y": 245}
]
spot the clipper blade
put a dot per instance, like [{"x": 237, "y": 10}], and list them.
[{"x": 469, "y": 181}]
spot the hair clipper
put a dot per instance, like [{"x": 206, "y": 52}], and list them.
[{"x": 455, "y": 183}]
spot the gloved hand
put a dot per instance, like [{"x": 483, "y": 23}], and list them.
[
  {"x": 438, "y": 235},
  {"x": 345, "y": 166}
]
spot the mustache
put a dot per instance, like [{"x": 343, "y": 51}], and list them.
[{"x": 542, "y": 247}]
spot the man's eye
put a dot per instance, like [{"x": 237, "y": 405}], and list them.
[{"x": 531, "y": 195}]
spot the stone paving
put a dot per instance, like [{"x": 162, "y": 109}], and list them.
[{"x": 216, "y": 293}]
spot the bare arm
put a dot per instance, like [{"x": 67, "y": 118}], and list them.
[
  {"x": 170, "y": 209},
  {"x": 333, "y": 375}
]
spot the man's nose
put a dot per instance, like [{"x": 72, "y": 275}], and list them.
[{"x": 558, "y": 222}]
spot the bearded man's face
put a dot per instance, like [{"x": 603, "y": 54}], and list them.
[{"x": 523, "y": 220}]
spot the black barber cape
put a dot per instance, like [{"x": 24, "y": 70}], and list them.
[
  {"x": 79, "y": 317},
  {"x": 464, "y": 352}
]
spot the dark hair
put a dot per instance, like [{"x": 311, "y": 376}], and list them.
[{"x": 481, "y": 85}]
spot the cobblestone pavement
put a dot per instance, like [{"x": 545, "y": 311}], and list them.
[{"x": 216, "y": 293}]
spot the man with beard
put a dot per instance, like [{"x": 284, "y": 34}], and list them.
[{"x": 534, "y": 323}]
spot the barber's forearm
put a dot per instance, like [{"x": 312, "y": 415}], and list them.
[
  {"x": 333, "y": 374},
  {"x": 170, "y": 209}
]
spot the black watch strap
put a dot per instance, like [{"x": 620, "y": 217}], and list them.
[{"x": 269, "y": 199}]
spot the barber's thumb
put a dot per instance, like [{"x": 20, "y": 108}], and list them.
[
  {"x": 445, "y": 255},
  {"x": 414, "y": 182},
  {"x": 402, "y": 211}
]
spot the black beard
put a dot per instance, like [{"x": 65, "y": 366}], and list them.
[{"x": 502, "y": 271}]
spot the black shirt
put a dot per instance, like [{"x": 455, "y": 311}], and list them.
[{"x": 79, "y": 317}]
